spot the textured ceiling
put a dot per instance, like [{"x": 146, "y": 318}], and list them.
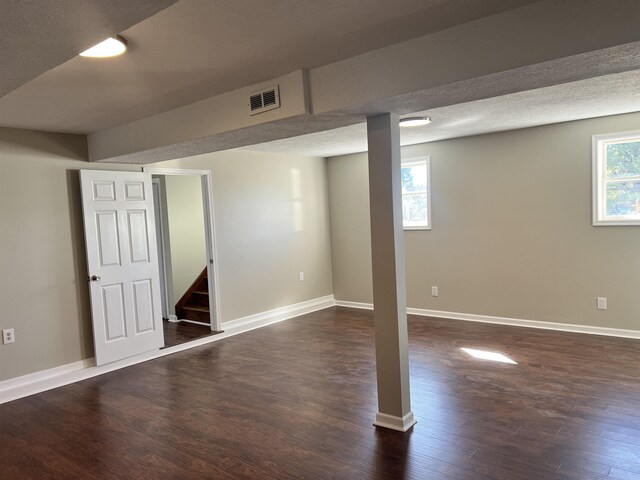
[
  {"x": 36, "y": 36},
  {"x": 607, "y": 95},
  {"x": 193, "y": 50},
  {"x": 196, "y": 49}
]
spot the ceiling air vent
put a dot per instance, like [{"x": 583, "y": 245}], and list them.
[{"x": 265, "y": 100}]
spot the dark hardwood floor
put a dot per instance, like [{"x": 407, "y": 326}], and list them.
[
  {"x": 176, "y": 333},
  {"x": 296, "y": 400}
]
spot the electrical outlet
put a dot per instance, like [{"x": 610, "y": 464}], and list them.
[
  {"x": 434, "y": 291},
  {"x": 602, "y": 303},
  {"x": 8, "y": 336},
  {"x": 302, "y": 276}
]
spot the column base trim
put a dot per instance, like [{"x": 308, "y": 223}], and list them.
[{"x": 400, "y": 424}]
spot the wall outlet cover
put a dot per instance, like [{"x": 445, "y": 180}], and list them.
[
  {"x": 8, "y": 336},
  {"x": 602, "y": 303}
]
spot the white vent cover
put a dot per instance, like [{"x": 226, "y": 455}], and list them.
[{"x": 264, "y": 100}]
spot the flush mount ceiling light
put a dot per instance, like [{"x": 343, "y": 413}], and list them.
[
  {"x": 415, "y": 121},
  {"x": 111, "y": 47}
]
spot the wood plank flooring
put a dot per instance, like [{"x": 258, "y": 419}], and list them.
[
  {"x": 176, "y": 333},
  {"x": 296, "y": 400}
]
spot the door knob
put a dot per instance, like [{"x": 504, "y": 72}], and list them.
[{"x": 95, "y": 278}]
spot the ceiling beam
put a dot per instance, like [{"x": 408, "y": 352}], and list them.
[{"x": 532, "y": 47}]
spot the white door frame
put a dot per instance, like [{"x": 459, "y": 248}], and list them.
[
  {"x": 163, "y": 249},
  {"x": 212, "y": 264}
]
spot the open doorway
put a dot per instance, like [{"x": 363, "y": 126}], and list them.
[{"x": 186, "y": 254}]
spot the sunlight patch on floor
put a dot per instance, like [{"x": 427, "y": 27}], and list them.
[{"x": 485, "y": 355}]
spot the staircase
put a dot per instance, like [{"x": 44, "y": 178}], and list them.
[{"x": 194, "y": 304}]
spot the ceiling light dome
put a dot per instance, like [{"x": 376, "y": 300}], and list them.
[
  {"x": 111, "y": 47},
  {"x": 414, "y": 121}
]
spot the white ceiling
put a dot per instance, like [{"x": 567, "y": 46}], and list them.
[
  {"x": 38, "y": 35},
  {"x": 183, "y": 52},
  {"x": 197, "y": 49},
  {"x": 596, "y": 97}
]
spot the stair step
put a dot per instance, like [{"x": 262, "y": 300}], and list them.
[
  {"x": 196, "y": 308},
  {"x": 201, "y": 292}
]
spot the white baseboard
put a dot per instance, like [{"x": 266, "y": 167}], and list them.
[
  {"x": 362, "y": 306},
  {"x": 401, "y": 424},
  {"x": 40, "y": 381},
  {"x": 37, "y": 382},
  {"x": 278, "y": 314},
  {"x": 516, "y": 322}
]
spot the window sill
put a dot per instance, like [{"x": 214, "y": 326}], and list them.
[
  {"x": 416, "y": 228},
  {"x": 616, "y": 223}
]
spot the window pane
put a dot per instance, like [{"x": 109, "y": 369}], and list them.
[
  {"x": 414, "y": 178},
  {"x": 623, "y": 198},
  {"x": 414, "y": 210},
  {"x": 623, "y": 159}
]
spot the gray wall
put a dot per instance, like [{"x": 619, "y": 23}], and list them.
[
  {"x": 185, "y": 218},
  {"x": 512, "y": 234},
  {"x": 43, "y": 290},
  {"x": 272, "y": 222},
  {"x": 43, "y": 270}
]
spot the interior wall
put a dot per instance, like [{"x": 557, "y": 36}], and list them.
[
  {"x": 271, "y": 223},
  {"x": 512, "y": 234},
  {"x": 185, "y": 217},
  {"x": 43, "y": 269}
]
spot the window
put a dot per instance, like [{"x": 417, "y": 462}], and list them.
[
  {"x": 416, "y": 204},
  {"x": 616, "y": 179}
]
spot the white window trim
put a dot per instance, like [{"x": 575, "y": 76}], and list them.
[
  {"x": 598, "y": 144},
  {"x": 415, "y": 161}
]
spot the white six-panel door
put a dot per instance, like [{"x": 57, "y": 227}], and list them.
[{"x": 122, "y": 262}]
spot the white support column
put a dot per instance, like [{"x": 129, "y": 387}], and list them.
[{"x": 389, "y": 293}]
